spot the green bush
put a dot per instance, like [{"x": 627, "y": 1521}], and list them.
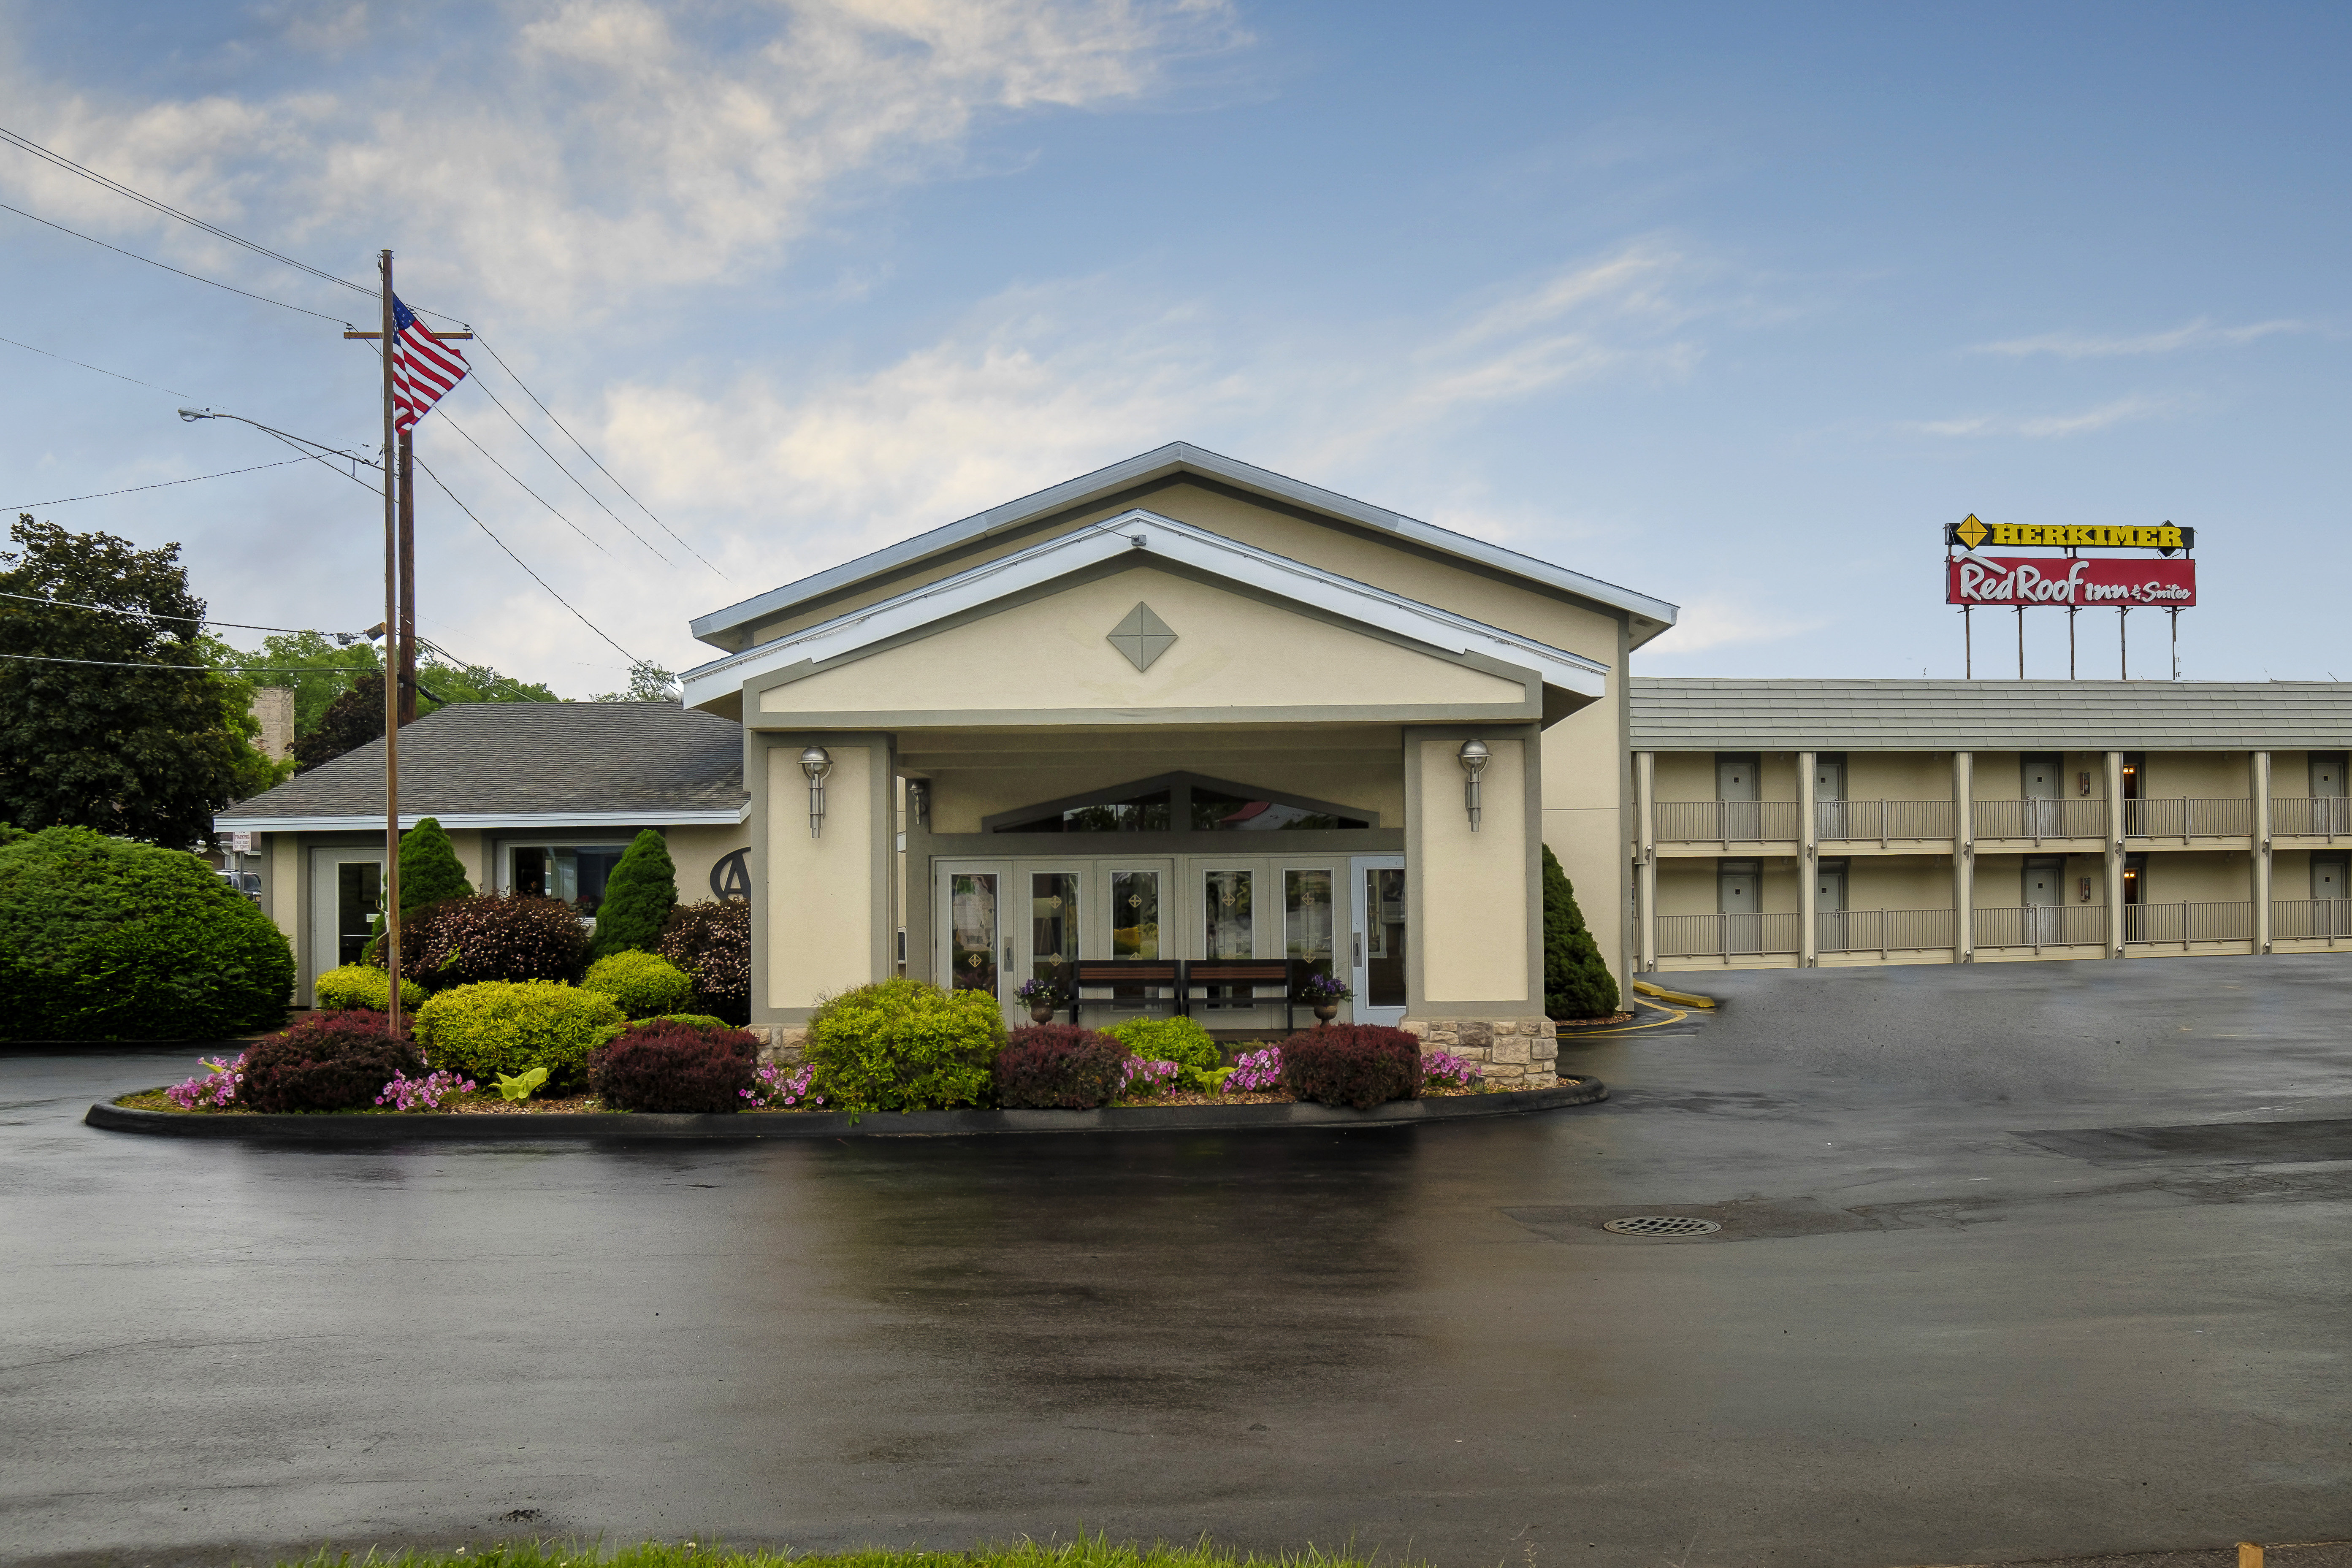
[
  {"x": 360, "y": 986},
  {"x": 1577, "y": 979},
  {"x": 692, "y": 1020},
  {"x": 513, "y": 1026},
  {"x": 1177, "y": 1040},
  {"x": 103, "y": 939},
  {"x": 429, "y": 871},
  {"x": 638, "y": 897},
  {"x": 642, "y": 982},
  {"x": 901, "y": 1045}
]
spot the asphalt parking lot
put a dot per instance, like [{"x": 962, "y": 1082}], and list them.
[{"x": 2020, "y": 1261}]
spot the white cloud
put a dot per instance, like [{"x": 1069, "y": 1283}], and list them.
[
  {"x": 594, "y": 147},
  {"x": 2196, "y": 334},
  {"x": 1718, "y": 619},
  {"x": 2043, "y": 426}
]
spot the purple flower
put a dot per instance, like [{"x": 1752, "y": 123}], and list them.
[{"x": 1255, "y": 1071}]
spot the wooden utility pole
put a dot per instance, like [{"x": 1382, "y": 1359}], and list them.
[
  {"x": 393, "y": 509},
  {"x": 407, "y": 682}
]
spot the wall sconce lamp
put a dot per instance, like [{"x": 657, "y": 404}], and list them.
[
  {"x": 918, "y": 802},
  {"x": 1473, "y": 758},
  {"x": 816, "y": 762}
]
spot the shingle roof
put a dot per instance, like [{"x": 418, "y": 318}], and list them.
[
  {"x": 1679, "y": 715},
  {"x": 486, "y": 762}
]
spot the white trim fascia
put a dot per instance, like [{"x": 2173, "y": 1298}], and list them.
[
  {"x": 659, "y": 817},
  {"x": 1132, "y": 530},
  {"x": 1179, "y": 456}
]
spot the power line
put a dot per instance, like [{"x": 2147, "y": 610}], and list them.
[
  {"x": 526, "y": 489},
  {"x": 163, "y": 484},
  {"x": 62, "y": 162},
  {"x": 159, "y": 615},
  {"x": 568, "y": 474},
  {"x": 518, "y": 560},
  {"x": 151, "y": 261},
  {"x": 86, "y": 366},
  {"x": 123, "y": 664},
  {"x": 601, "y": 469}
]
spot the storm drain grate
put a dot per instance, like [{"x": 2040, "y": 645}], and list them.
[{"x": 1660, "y": 1225}]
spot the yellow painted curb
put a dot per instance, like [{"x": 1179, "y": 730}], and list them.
[{"x": 1683, "y": 997}]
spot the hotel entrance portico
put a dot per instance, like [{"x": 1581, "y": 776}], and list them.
[{"x": 1129, "y": 736}]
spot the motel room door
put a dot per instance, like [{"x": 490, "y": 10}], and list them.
[
  {"x": 1377, "y": 937},
  {"x": 346, "y": 895}
]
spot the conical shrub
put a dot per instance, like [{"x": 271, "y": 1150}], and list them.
[
  {"x": 429, "y": 870},
  {"x": 1577, "y": 979},
  {"x": 638, "y": 898}
]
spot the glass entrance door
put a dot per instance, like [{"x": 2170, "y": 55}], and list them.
[
  {"x": 346, "y": 895},
  {"x": 1377, "y": 937},
  {"x": 974, "y": 947}
]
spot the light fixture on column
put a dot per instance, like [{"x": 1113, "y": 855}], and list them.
[
  {"x": 816, "y": 762},
  {"x": 1473, "y": 757},
  {"x": 918, "y": 802}
]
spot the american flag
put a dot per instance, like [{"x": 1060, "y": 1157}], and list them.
[{"x": 424, "y": 368}]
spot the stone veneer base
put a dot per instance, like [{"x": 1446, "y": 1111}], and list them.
[{"x": 1511, "y": 1050}]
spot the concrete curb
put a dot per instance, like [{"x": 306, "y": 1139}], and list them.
[
  {"x": 831, "y": 1123},
  {"x": 1680, "y": 998}
]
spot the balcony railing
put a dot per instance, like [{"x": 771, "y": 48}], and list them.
[
  {"x": 2072, "y": 818},
  {"x": 1725, "y": 935},
  {"x": 1850, "y": 821},
  {"x": 2193, "y": 817},
  {"x": 1881, "y": 930},
  {"x": 2311, "y": 817},
  {"x": 2038, "y": 926},
  {"x": 2307, "y": 919},
  {"x": 1726, "y": 821},
  {"x": 2179, "y": 925}
]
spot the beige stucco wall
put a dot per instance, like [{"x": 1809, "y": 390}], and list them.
[
  {"x": 1685, "y": 776},
  {"x": 2172, "y": 775},
  {"x": 1898, "y": 882},
  {"x": 1473, "y": 901},
  {"x": 695, "y": 848},
  {"x": 1898, "y": 775},
  {"x": 471, "y": 845},
  {"x": 2175, "y": 877},
  {"x": 820, "y": 891},
  {"x": 2000, "y": 881},
  {"x": 1054, "y": 652},
  {"x": 285, "y": 880}
]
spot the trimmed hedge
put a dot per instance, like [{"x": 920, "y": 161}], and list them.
[
  {"x": 1055, "y": 1067},
  {"x": 638, "y": 898},
  {"x": 489, "y": 936},
  {"x": 712, "y": 942},
  {"x": 511, "y": 1027},
  {"x": 643, "y": 984},
  {"x": 328, "y": 1061},
  {"x": 104, "y": 939},
  {"x": 1177, "y": 1040},
  {"x": 673, "y": 1066},
  {"x": 900, "y": 1044},
  {"x": 698, "y": 1020},
  {"x": 1359, "y": 1065},
  {"x": 360, "y": 986},
  {"x": 1577, "y": 981}
]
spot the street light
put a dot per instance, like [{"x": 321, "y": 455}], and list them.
[{"x": 302, "y": 444}]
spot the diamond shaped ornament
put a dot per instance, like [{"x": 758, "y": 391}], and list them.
[{"x": 1142, "y": 637}]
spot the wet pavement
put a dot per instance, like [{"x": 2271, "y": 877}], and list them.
[{"x": 2020, "y": 1261}]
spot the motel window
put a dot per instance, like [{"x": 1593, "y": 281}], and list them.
[
  {"x": 1181, "y": 803},
  {"x": 576, "y": 873}
]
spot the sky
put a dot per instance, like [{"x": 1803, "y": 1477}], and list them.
[{"x": 1736, "y": 306}]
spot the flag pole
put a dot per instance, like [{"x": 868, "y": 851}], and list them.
[{"x": 392, "y": 672}]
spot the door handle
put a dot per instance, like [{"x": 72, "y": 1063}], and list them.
[{"x": 1359, "y": 950}]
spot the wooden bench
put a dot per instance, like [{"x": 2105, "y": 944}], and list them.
[
  {"x": 1158, "y": 974},
  {"x": 1252, "y": 973}
]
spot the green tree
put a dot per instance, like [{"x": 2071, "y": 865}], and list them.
[
  {"x": 638, "y": 898},
  {"x": 429, "y": 871},
  {"x": 124, "y": 742},
  {"x": 648, "y": 682},
  {"x": 349, "y": 722},
  {"x": 1577, "y": 979}
]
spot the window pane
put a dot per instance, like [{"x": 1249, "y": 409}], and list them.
[
  {"x": 971, "y": 926},
  {"x": 1384, "y": 938},
  {"x": 574, "y": 873},
  {"x": 1135, "y": 914},
  {"x": 1307, "y": 918},
  {"x": 1054, "y": 928},
  {"x": 1225, "y": 906},
  {"x": 528, "y": 874},
  {"x": 1214, "y": 811},
  {"x": 1139, "y": 814}
]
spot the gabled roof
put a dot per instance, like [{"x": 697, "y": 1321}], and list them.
[
  {"x": 1165, "y": 539},
  {"x": 524, "y": 764},
  {"x": 1693, "y": 715},
  {"x": 1179, "y": 457}
]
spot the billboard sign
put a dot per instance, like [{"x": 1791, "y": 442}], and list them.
[{"x": 2007, "y": 581}]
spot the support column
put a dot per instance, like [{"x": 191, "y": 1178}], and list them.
[
  {"x": 2114, "y": 854},
  {"x": 1645, "y": 794},
  {"x": 1809, "y": 881},
  {"x": 2258, "y": 770},
  {"x": 1964, "y": 848}
]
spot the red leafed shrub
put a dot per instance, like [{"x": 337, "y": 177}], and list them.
[
  {"x": 491, "y": 936},
  {"x": 1056, "y": 1067},
  {"x": 328, "y": 1061},
  {"x": 676, "y": 1067},
  {"x": 712, "y": 942},
  {"x": 1362, "y": 1065}
]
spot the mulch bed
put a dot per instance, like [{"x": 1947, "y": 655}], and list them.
[{"x": 1614, "y": 1018}]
